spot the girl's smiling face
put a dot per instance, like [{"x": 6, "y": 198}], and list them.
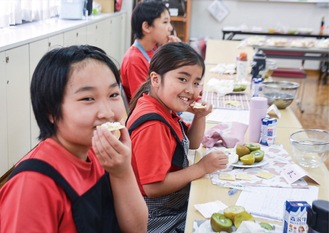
[
  {"x": 91, "y": 97},
  {"x": 178, "y": 88}
]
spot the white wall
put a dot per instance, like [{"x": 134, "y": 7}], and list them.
[{"x": 259, "y": 14}]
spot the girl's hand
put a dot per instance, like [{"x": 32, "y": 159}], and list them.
[
  {"x": 173, "y": 38},
  {"x": 202, "y": 109},
  {"x": 113, "y": 154},
  {"x": 214, "y": 161}
]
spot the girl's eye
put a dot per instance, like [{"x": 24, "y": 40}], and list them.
[
  {"x": 197, "y": 84},
  {"x": 113, "y": 95},
  {"x": 183, "y": 79},
  {"x": 87, "y": 99}
]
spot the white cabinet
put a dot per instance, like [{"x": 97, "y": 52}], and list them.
[
  {"x": 3, "y": 117},
  {"x": 37, "y": 50},
  {"x": 117, "y": 38},
  {"x": 75, "y": 37},
  {"x": 17, "y": 102},
  {"x": 98, "y": 34}
]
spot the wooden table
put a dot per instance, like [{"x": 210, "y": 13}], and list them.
[{"x": 202, "y": 190}]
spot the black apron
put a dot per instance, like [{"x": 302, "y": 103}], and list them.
[
  {"x": 93, "y": 211},
  {"x": 167, "y": 214}
]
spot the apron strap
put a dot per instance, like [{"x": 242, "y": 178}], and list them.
[
  {"x": 48, "y": 170},
  {"x": 178, "y": 157}
]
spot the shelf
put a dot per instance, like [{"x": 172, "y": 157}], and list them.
[{"x": 178, "y": 18}]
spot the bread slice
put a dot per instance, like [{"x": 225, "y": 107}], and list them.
[{"x": 114, "y": 127}]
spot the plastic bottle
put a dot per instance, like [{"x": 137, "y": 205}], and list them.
[
  {"x": 241, "y": 66},
  {"x": 258, "y": 109}
]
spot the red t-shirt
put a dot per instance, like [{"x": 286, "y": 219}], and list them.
[
  {"x": 133, "y": 70},
  {"x": 153, "y": 145},
  {"x": 32, "y": 202}
]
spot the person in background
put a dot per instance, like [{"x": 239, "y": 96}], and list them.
[
  {"x": 150, "y": 23},
  {"x": 161, "y": 139},
  {"x": 79, "y": 178}
]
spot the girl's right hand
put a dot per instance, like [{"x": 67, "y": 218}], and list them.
[
  {"x": 213, "y": 161},
  {"x": 113, "y": 154}
]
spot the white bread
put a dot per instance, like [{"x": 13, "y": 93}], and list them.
[
  {"x": 114, "y": 127},
  {"x": 198, "y": 105}
]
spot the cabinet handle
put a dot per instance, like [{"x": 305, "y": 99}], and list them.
[
  {"x": 7, "y": 59},
  {"x": 49, "y": 44},
  {"x": 77, "y": 34}
]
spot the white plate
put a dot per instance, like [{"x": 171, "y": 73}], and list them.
[
  {"x": 237, "y": 92},
  {"x": 205, "y": 227},
  {"x": 257, "y": 164}
]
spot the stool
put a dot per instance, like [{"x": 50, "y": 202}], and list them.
[{"x": 292, "y": 74}]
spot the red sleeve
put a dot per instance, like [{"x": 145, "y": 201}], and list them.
[
  {"x": 31, "y": 202},
  {"x": 153, "y": 149}
]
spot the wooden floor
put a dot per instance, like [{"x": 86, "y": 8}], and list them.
[{"x": 315, "y": 104}]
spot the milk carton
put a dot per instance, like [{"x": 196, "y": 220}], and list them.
[{"x": 295, "y": 217}]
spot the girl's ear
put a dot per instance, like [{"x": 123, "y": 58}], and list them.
[
  {"x": 155, "y": 79},
  {"x": 51, "y": 119},
  {"x": 146, "y": 27}
]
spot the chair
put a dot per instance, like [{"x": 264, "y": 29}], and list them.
[{"x": 124, "y": 97}]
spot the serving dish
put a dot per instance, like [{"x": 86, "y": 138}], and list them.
[{"x": 239, "y": 164}]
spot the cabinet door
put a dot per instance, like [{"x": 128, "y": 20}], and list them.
[
  {"x": 18, "y": 102},
  {"x": 98, "y": 34},
  {"x": 37, "y": 50},
  {"x": 117, "y": 37},
  {"x": 75, "y": 37},
  {"x": 3, "y": 117}
]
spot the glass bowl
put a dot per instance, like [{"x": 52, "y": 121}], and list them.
[
  {"x": 310, "y": 147},
  {"x": 280, "y": 93}
]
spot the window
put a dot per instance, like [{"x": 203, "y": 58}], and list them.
[{"x": 14, "y": 12}]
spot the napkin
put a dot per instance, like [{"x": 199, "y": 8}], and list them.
[
  {"x": 226, "y": 134},
  {"x": 207, "y": 209}
]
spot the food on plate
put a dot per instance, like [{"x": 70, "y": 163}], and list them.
[
  {"x": 248, "y": 159},
  {"x": 220, "y": 223},
  {"x": 241, "y": 150},
  {"x": 239, "y": 87},
  {"x": 231, "y": 211},
  {"x": 266, "y": 226},
  {"x": 243, "y": 216},
  {"x": 253, "y": 146},
  {"x": 259, "y": 155},
  {"x": 114, "y": 127}
]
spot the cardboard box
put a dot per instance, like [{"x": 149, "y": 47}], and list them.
[{"x": 107, "y": 5}]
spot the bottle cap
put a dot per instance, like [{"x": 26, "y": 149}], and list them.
[
  {"x": 318, "y": 216},
  {"x": 258, "y": 102}
]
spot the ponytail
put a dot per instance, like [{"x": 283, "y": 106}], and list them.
[{"x": 144, "y": 88}]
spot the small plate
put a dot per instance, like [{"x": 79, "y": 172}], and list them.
[
  {"x": 237, "y": 92},
  {"x": 205, "y": 227},
  {"x": 256, "y": 164}
]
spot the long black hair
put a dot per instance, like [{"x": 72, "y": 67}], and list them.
[
  {"x": 168, "y": 57},
  {"x": 50, "y": 79}
]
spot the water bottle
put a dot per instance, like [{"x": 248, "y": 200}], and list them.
[
  {"x": 318, "y": 217},
  {"x": 258, "y": 110}
]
